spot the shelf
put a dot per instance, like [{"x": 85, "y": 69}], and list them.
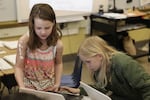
[{"x": 130, "y": 27}]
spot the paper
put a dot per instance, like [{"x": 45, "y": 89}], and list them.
[
  {"x": 4, "y": 65},
  {"x": 114, "y": 15},
  {"x": 10, "y": 44},
  {"x": 10, "y": 58}
]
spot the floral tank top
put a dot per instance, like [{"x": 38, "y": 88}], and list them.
[{"x": 39, "y": 68}]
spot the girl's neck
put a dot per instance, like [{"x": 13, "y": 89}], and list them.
[
  {"x": 44, "y": 45},
  {"x": 43, "y": 41}
]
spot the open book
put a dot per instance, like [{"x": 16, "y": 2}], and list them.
[
  {"x": 10, "y": 58},
  {"x": 4, "y": 65}
]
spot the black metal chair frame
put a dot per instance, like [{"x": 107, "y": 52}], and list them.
[{"x": 73, "y": 80}]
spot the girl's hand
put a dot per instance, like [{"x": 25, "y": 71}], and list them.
[
  {"x": 69, "y": 89},
  {"x": 54, "y": 88}
]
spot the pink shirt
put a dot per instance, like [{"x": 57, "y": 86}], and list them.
[{"x": 39, "y": 68}]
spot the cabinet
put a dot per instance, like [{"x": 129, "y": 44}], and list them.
[
  {"x": 114, "y": 29},
  {"x": 71, "y": 42}
]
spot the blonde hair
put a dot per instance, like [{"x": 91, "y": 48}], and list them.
[{"x": 92, "y": 46}]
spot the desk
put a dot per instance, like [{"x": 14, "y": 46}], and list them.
[
  {"x": 113, "y": 30},
  {"x": 7, "y": 76},
  {"x": 8, "y": 52}
]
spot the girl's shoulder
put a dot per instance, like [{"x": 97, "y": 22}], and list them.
[
  {"x": 59, "y": 44},
  {"x": 24, "y": 39},
  {"x": 121, "y": 56},
  {"x": 121, "y": 59}
]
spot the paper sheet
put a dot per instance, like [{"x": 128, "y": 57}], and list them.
[{"x": 114, "y": 15}]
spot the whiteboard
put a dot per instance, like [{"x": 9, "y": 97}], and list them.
[
  {"x": 24, "y": 6},
  {"x": 74, "y": 5},
  {"x": 7, "y": 10}
]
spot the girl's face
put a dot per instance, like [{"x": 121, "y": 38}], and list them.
[
  {"x": 43, "y": 28},
  {"x": 93, "y": 63}
]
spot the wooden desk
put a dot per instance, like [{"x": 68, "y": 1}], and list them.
[
  {"x": 8, "y": 52},
  {"x": 7, "y": 76}
]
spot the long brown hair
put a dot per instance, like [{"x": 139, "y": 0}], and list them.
[{"x": 45, "y": 12}]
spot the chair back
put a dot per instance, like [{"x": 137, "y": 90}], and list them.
[
  {"x": 77, "y": 71},
  {"x": 93, "y": 93}
]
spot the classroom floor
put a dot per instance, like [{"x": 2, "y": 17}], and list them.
[{"x": 68, "y": 68}]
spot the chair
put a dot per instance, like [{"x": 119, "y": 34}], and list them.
[{"x": 73, "y": 80}]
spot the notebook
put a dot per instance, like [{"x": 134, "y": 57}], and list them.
[
  {"x": 43, "y": 94},
  {"x": 4, "y": 65},
  {"x": 114, "y": 15},
  {"x": 10, "y": 58},
  {"x": 93, "y": 93}
]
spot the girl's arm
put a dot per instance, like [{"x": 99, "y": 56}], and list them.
[
  {"x": 20, "y": 55},
  {"x": 59, "y": 65}
]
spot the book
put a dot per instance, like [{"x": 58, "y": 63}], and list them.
[
  {"x": 10, "y": 58},
  {"x": 4, "y": 65}
]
